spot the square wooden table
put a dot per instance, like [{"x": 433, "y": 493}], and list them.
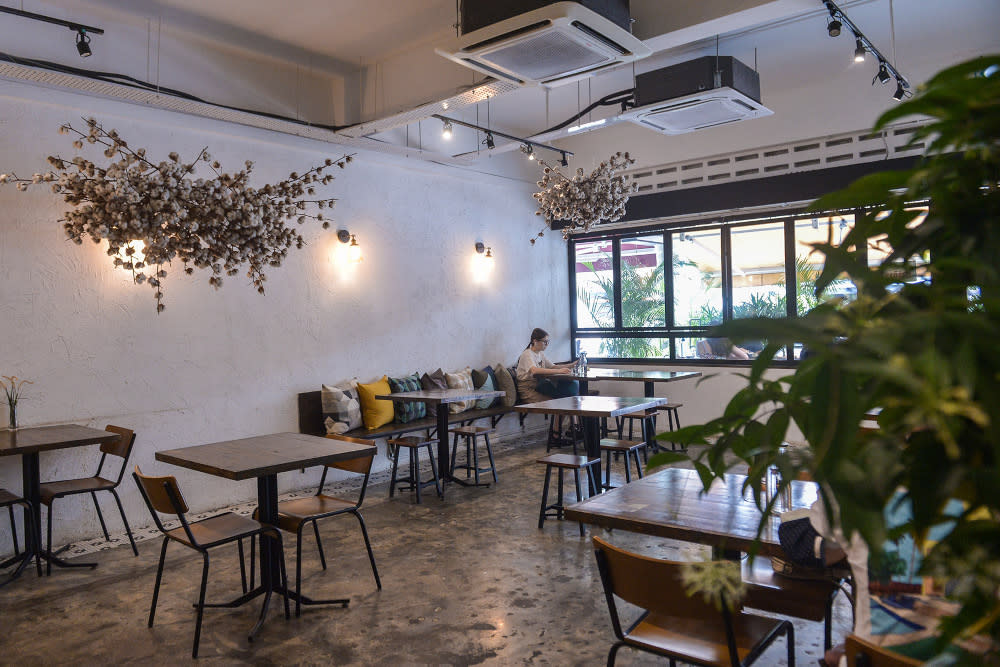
[
  {"x": 649, "y": 379},
  {"x": 669, "y": 503},
  {"x": 263, "y": 457},
  {"x": 441, "y": 398},
  {"x": 27, "y": 443},
  {"x": 590, "y": 410}
]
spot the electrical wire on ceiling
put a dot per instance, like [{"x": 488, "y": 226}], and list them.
[
  {"x": 623, "y": 97},
  {"x": 132, "y": 82}
]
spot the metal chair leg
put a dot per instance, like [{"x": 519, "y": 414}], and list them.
[
  {"x": 579, "y": 494},
  {"x": 395, "y": 465},
  {"x": 368, "y": 546},
  {"x": 48, "y": 543},
  {"x": 243, "y": 567},
  {"x": 319, "y": 545},
  {"x": 128, "y": 529},
  {"x": 201, "y": 603},
  {"x": 489, "y": 453},
  {"x": 437, "y": 482},
  {"x": 100, "y": 517},
  {"x": 298, "y": 572},
  {"x": 156, "y": 586},
  {"x": 415, "y": 470}
]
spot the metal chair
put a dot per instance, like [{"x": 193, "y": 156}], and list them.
[
  {"x": 8, "y": 500},
  {"x": 295, "y": 515},
  {"x": 50, "y": 491},
  {"x": 162, "y": 496},
  {"x": 677, "y": 626}
]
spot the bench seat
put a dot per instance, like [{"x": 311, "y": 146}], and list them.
[{"x": 311, "y": 419}]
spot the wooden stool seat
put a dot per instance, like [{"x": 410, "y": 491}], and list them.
[
  {"x": 413, "y": 443},
  {"x": 471, "y": 466},
  {"x": 563, "y": 462},
  {"x": 673, "y": 419},
  {"x": 629, "y": 448},
  {"x": 470, "y": 430}
]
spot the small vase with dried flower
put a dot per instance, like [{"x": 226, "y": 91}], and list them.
[{"x": 12, "y": 387}]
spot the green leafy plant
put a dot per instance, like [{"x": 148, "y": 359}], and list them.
[{"x": 920, "y": 342}]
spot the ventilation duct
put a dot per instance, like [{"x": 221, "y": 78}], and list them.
[
  {"x": 697, "y": 94},
  {"x": 554, "y": 44}
]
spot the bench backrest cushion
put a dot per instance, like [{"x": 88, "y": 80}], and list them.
[
  {"x": 375, "y": 413},
  {"x": 506, "y": 384},
  {"x": 433, "y": 380},
  {"x": 460, "y": 380},
  {"x": 341, "y": 409},
  {"x": 406, "y": 411}
]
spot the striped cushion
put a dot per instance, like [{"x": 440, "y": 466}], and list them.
[
  {"x": 407, "y": 411},
  {"x": 341, "y": 409},
  {"x": 460, "y": 380}
]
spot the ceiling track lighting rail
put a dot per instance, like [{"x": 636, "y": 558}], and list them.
[
  {"x": 527, "y": 145},
  {"x": 886, "y": 70},
  {"x": 83, "y": 32}
]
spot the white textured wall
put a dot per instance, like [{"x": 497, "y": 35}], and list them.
[{"x": 226, "y": 364}]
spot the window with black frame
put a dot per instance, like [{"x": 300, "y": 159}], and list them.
[{"x": 630, "y": 303}]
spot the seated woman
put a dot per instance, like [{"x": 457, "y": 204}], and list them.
[
  {"x": 537, "y": 377},
  {"x": 723, "y": 348}
]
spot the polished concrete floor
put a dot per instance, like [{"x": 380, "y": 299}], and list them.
[{"x": 471, "y": 580}]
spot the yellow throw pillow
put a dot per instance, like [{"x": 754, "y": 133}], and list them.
[{"x": 375, "y": 413}]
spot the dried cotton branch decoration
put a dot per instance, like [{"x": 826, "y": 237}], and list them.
[
  {"x": 220, "y": 223},
  {"x": 585, "y": 200}
]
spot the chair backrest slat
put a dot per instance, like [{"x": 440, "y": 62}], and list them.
[
  {"x": 158, "y": 495},
  {"x": 653, "y": 584},
  {"x": 361, "y": 464},
  {"x": 123, "y": 445}
]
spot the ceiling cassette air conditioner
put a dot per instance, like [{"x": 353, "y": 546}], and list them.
[
  {"x": 697, "y": 94},
  {"x": 549, "y": 46}
]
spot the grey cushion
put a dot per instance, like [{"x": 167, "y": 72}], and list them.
[{"x": 505, "y": 383}]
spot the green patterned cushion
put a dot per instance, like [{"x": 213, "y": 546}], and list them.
[{"x": 407, "y": 411}]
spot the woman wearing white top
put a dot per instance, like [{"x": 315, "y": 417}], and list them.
[{"x": 537, "y": 377}]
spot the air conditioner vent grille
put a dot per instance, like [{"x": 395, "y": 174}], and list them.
[{"x": 545, "y": 55}]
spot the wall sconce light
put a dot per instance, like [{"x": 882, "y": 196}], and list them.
[
  {"x": 353, "y": 249},
  {"x": 483, "y": 266},
  {"x": 137, "y": 255}
]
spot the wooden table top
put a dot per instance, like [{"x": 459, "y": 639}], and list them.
[
  {"x": 43, "y": 438},
  {"x": 262, "y": 455},
  {"x": 440, "y": 395},
  {"x": 635, "y": 375},
  {"x": 668, "y": 503},
  {"x": 591, "y": 406}
]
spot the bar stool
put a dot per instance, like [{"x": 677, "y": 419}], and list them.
[
  {"x": 470, "y": 433},
  {"x": 413, "y": 444},
  {"x": 673, "y": 420},
  {"x": 631, "y": 448},
  {"x": 565, "y": 462}
]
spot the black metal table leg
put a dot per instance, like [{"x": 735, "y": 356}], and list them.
[
  {"x": 592, "y": 443},
  {"x": 444, "y": 456}
]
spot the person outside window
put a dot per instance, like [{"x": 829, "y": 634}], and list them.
[{"x": 538, "y": 379}]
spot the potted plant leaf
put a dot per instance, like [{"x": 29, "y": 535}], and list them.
[{"x": 921, "y": 342}]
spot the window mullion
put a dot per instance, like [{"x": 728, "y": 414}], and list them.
[
  {"x": 616, "y": 262},
  {"x": 727, "y": 273}
]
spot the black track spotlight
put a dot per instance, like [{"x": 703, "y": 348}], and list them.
[
  {"x": 883, "y": 74},
  {"x": 900, "y": 91},
  {"x": 528, "y": 150},
  {"x": 563, "y": 162},
  {"x": 490, "y": 143},
  {"x": 834, "y": 26},
  {"x": 859, "y": 51},
  {"x": 83, "y": 43}
]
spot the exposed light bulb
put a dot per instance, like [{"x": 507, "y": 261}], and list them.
[{"x": 446, "y": 130}]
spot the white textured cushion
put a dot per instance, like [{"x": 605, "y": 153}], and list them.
[
  {"x": 460, "y": 380},
  {"x": 341, "y": 409}
]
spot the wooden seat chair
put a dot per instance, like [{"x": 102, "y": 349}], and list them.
[
  {"x": 470, "y": 433},
  {"x": 50, "y": 491},
  {"x": 295, "y": 515},
  {"x": 162, "y": 496},
  {"x": 862, "y": 653},
  {"x": 677, "y": 626},
  {"x": 8, "y": 500}
]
